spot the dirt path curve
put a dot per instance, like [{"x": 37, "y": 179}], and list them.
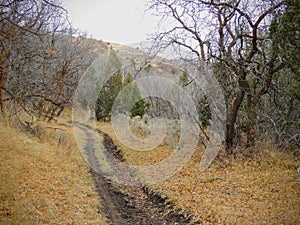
[{"x": 127, "y": 204}]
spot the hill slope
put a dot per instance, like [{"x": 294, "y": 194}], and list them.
[{"x": 45, "y": 180}]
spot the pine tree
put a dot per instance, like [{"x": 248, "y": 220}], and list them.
[
  {"x": 107, "y": 96},
  {"x": 130, "y": 100}
]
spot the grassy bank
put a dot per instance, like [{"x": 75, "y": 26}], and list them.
[
  {"x": 260, "y": 190},
  {"x": 45, "y": 180}
]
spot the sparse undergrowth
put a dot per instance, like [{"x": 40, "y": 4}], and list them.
[
  {"x": 45, "y": 180},
  {"x": 259, "y": 190}
]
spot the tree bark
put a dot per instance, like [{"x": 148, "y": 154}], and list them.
[
  {"x": 251, "y": 119},
  {"x": 2, "y": 79},
  {"x": 231, "y": 119}
]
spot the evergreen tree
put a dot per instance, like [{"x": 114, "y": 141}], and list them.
[
  {"x": 107, "y": 96},
  {"x": 139, "y": 108},
  {"x": 131, "y": 100},
  {"x": 285, "y": 32}
]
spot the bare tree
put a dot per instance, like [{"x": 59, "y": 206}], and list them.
[
  {"x": 41, "y": 60},
  {"x": 233, "y": 35}
]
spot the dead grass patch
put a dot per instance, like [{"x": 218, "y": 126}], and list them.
[
  {"x": 136, "y": 158},
  {"x": 259, "y": 190},
  {"x": 45, "y": 180}
]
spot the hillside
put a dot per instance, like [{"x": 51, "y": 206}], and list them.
[
  {"x": 264, "y": 189},
  {"x": 198, "y": 124},
  {"x": 47, "y": 180},
  {"x": 44, "y": 178}
]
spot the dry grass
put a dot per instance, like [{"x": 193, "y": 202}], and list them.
[
  {"x": 45, "y": 180},
  {"x": 261, "y": 190},
  {"x": 136, "y": 158}
]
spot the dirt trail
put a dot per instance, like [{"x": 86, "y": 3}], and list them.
[{"x": 127, "y": 204}]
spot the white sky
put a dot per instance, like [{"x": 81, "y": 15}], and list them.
[{"x": 119, "y": 21}]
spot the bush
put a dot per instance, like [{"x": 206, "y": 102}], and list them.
[{"x": 139, "y": 108}]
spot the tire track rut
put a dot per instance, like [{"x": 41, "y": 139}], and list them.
[{"x": 123, "y": 204}]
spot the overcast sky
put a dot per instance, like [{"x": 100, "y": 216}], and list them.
[{"x": 119, "y": 21}]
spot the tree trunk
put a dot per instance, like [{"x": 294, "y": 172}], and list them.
[
  {"x": 2, "y": 79},
  {"x": 251, "y": 118},
  {"x": 3, "y": 57},
  {"x": 231, "y": 119}
]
